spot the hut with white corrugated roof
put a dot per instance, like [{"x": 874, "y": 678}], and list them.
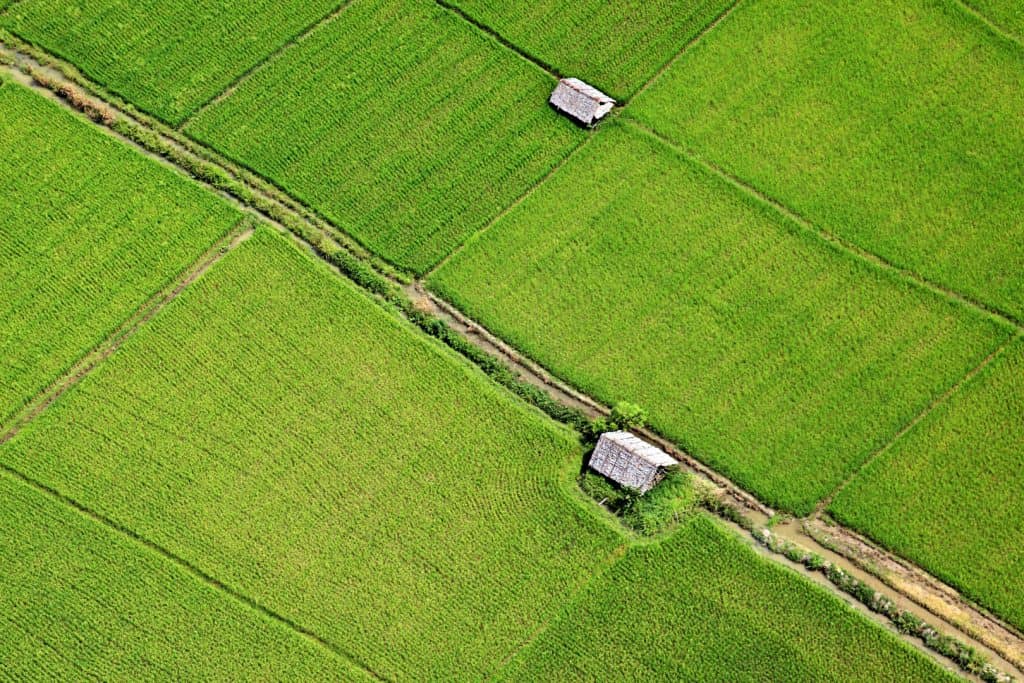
[
  {"x": 584, "y": 103},
  {"x": 630, "y": 461}
]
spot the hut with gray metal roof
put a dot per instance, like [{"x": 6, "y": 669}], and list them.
[
  {"x": 630, "y": 461},
  {"x": 581, "y": 102}
]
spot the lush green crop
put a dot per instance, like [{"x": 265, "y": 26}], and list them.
[
  {"x": 166, "y": 56},
  {"x": 88, "y": 231},
  {"x": 893, "y": 123},
  {"x": 616, "y": 46},
  {"x": 82, "y": 602},
  {"x": 753, "y": 343},
  {"x": 400, "y": 122},
  {"x": 948, "y": 494},
  {"x": 1008, "y": 15},
  {"x": 702, "y": 606},
  {"x": 280, "y": 431}
]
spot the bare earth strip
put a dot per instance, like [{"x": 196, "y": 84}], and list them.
[{"x": 973, "y": 625}]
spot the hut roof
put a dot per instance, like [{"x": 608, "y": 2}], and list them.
[
  {"x": 641, "y": 449},
  {"x": 581, "y": 101},
  {"x": 629, "y": 461}
]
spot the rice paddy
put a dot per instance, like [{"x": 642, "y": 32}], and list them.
[
  {"x": 797, "y": 244},
  {"x": 768, "y": 353},
  {"x": 947, "y": 494},
  {"x": 89, "y": 230},
  {"x": 616, "y": 46},
  {"x": 168, "y": 57},
  {"x": 894, "y": 125},
  {"x": 408, "y": 128}
]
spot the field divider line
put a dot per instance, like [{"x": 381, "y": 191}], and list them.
[
  {"x": 829, "y": 238},
  {"x": 925, "y": 412},
  {"x": 139, "y": 317},
  {"x": 208, "y": 579},
  {"x": 267, "y": 59},
  {"x": 610, "y": 560},
  {"x": 989, "y": 24},
  {"x": 690, "y": 43},
  {"x": 549, "y": 69},
  {"x": 516, "y": 202}
]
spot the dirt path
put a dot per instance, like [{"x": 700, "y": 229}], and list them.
[{"x": 972, "y": 625}]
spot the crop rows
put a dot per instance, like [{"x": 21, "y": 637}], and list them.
[
  {"x": 276, "y": 428},
  {"x": 88, "y": 231},
  {"x": 400, "y": 122},
  {"x": 893, "y": 124},
  {"x": 947, "y": 495},
  {"x": 81, "y": 602},
  {"x": 167, "y": 57},
  {"x": 765, "y": 352},
  {"x": 617, "y": 46},
  {"x": 701, "y": 605}
]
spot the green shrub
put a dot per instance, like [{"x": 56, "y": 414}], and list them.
[{"x": 667, "y": 503}]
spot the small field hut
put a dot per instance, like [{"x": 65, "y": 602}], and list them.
[
  {"x": 630, "y": 461},
  {"x": 579, "y": 101}
]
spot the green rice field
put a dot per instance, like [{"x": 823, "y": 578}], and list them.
[
  {"x": 702, "y": 606},
  {"x": 616, "y": 46},
  {"x": 358, "y": 479},
  {"x": 307, "y": 449},
  {"x": 168, "y": 57},
  {"x": 82, "y": 602},
  {"x": 89, "y": 230},
  {"x": 893, "y": 124},
  {"x": 409, "y": 128},
  {"x": 245, "y": 436},
  {"x": 947, "y": 495},
  {"x": 764, "y": 351}
]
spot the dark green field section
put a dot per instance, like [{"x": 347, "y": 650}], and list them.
[
  {"x": 81, "y": 601},
  {"x": 702, "y": 606},
  {"x": 616, "y": 46},
  {"x": 167, "y": 57},
  {"x": 1007, "y": 15},
  {"x": 948, "y": 494},
  {"x": 283, "y": 433},
  {"x": 89, "y": 230},
  {"x": 893, "y": 124},
  {"x": 764, "y": 351},
  {"x": 400, "y": 122}
]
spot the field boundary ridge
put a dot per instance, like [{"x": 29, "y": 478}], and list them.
[
  {"x": 921, "y": 415},
  {"x": 80, "y": 369},
  {"x": 212, "y": 581},
  {"x": 266, "y": 60},
  {"x": 722, "y": 16},
  {"x": 549, "y": 69},
  {"x": 829, "y": 238}
]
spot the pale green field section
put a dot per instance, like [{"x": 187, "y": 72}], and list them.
[
  {"x": 616, "y": 46},
  {"x": 763, "y": 350},
  {"x": 702, "y": 606},
  {"x": 894, "y": 124},
  {"x": 167, "y": 57},
  {"x": 81, "y": 601},
  {"x": 89, "y": 230},
  {"x": 400, "y": 122},
  {"x": 285, "y": 434},
  {"x": 948, "y": 494}
]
